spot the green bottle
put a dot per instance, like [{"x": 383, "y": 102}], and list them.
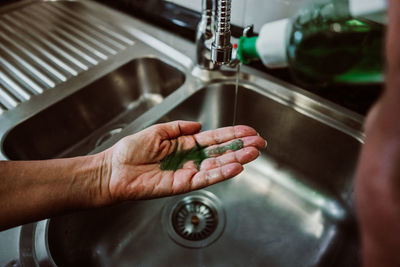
[{"x": 328, "y": 42}]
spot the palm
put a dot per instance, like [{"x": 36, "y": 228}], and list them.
[{"x": 136, "y": 171}]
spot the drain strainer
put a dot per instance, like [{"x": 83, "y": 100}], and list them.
[{"x": 194, "y": 221}]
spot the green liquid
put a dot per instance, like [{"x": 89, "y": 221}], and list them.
[
  {"x": 236, "y": 95},
  {"x": 197, "y": 154},
  {"x": 349, "y": 51}
]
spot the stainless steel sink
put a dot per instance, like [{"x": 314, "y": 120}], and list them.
[
  {"x": 85, "y": 119},
  {"x": 293, "y": 206}
]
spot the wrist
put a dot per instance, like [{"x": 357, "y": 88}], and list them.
[
  {"x": 89, "y": 185},
  {"x": 99, "y": 185}
]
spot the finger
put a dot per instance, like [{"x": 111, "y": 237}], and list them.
[
  {"x": 213, "y": 176},
  {"x": 254, "y": 141},
  {"x": 242, "y": 156},
  {"x": 222, "y": 135},
  {"x": 175, "y": 129}
]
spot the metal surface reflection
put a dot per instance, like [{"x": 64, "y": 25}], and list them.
[{"x": 291, "y": 207}]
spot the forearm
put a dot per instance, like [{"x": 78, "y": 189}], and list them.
[{"x": 33, "y": 190}]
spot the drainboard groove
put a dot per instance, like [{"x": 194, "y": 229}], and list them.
[
  {"x": 7, "y": 100},
  {"x": 51, "y": 40},
  {"x": 21, "y": 77},
  {"x": 54, "y": 33},
  {"x": 98, "y": 39},
  {"x": 13, "y": 87},
  {"x": 2, "y": 109},
  {"x": 44, "y": 44},
  {"x": 26, "y": 53},
  {"x": 28, "y": 67},
  {"x": 40, "y": 46},
  {"x": 77, "y": 41},
  {"x": 96, "y": 23}
]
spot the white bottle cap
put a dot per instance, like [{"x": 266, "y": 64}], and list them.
[
  {"x": 372, "y": 9},
  {"x": 271, "y": 44},
  {"x": 362, "y": 7}
]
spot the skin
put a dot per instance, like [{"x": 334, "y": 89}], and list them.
[
  {"x": 129, "y": 170},
  {"x": 378, "y": 173}
]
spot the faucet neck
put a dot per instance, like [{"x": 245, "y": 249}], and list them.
[{"x": 213, "y": 35}]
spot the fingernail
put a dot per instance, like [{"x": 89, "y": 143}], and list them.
[{"x": 266, "y": 144}]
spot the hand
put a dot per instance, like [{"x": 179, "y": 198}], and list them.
[{"x": 133, "y": 164}]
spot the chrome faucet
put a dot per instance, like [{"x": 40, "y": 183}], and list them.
[{"x": 213, "y": 40}]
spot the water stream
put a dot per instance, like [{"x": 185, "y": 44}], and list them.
[{"x": 236, "y": 95}]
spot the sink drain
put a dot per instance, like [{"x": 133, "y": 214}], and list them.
[{"x": 195, "y": 221}]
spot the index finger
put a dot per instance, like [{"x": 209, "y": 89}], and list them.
[{"x": 223, "y": 135}]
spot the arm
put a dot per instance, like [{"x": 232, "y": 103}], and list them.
[
  {"x": 378, "y": 175},
  {"x": 130, "y": 170},
  {"x": 35, "y": 190}
]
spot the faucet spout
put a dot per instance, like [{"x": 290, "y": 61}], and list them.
[
  {"x": 221, "y": 50},
  {"x": 213, "y": 39}
]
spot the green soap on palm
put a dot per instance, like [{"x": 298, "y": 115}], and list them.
[
  {"x": 177, "y": 159},
  {"x": 197, "y": 154},
  {"x": 234, "y": 146}
]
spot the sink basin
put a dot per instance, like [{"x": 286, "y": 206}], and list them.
[
  {"x": 85, "y": 119},
  {"x": 290, "y": 207}
]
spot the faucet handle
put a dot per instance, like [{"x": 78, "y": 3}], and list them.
[{"x": 248, "y": 31}]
